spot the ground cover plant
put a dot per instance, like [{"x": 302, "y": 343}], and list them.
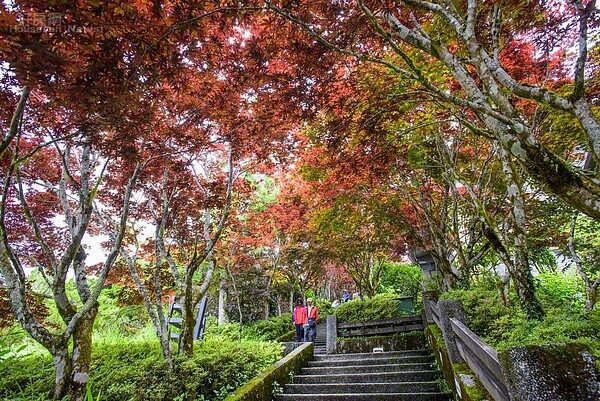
[
  {"x": 127, "y": 361},
  {"x": 134, "y": 370}
]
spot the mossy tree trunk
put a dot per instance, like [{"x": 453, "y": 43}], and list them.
[
  {"x": 519, "y": 267},
  {"x": 57, "y": 254}
]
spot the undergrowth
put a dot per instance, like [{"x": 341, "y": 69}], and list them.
[
  {"x": 503, "y": 326},
  {"x": 135, "y": 370}
]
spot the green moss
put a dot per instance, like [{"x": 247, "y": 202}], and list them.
[
  {"x": 451, "y": 371},
  {"x": 287, "y": 336},
  {"x": 476, "y": 392},
  {"x": 265, "y": 384},
  {"x": 439, "y": 337}
]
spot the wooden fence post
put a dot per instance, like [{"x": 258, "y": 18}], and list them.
[
  {"x": 331, "y": 339},
  {"x": 451, "y": 309}
]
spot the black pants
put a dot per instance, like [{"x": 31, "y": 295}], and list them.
[{"x": 299, "y": 333}]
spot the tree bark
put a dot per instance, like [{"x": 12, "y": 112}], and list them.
[{"x": 223, "y": 302}]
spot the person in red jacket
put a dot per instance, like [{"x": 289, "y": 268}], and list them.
[
  {"x": 312, "y": 314},
  {"x": 299, "y": 317}
]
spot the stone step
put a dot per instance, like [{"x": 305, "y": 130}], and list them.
[
  {"x": 383, "y": 355},
  {"x": 399, "y": 387},
  {"x": 384, "y": 377},
  {"x": 366, "y": 360},
  {"x": 337, "y": 370},
  {"x": 436, "y": 396}
]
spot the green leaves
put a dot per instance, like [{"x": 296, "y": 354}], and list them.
[{"x": 382, "y": 306}]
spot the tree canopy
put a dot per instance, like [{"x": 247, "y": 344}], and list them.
[{"x": 287, "y": 147}]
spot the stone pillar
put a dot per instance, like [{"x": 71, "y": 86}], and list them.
[
  {"x": 331, "y": 339},
  {"x": 557, "y": 372},
  {"x": 427, "y": 298},
  {"x": 451, "y": 309}
]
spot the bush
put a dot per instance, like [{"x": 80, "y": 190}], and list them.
[
  {"x": 381, "y": 306},
  {"x": 485, "y": 312},
  {"x": 269, "y": 330},
  {"x": 325, "y": 308},
  {"x": 135, "y": 370},
  {"x": 262, "y": 330},
  {"x": 505, "y": 326},
  {"x": 561, "y": 290},
  {"x": 404, "y": 279}
]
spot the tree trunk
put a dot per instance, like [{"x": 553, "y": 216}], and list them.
[
  {"x": 81, "y": 356},
  {"x": 523, "y": 280},
  {"x": 591, "y": 293},
  {"x": 266, "y": 307},
  {"x": 223, "y": 302},
  {"x": 71, "y": 369},
  {"x": 186, "y": 336},
  {"x": 521, "y": 270},
  {"x": 62, "y": 370}
]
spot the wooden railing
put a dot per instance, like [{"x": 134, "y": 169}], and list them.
[
  {"x": 481, "y": 358},
  {"x": 369, "y": 328}
]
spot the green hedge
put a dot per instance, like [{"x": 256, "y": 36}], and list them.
[
  {"x": 263, "y": 330},
  {"x": 383, "y": 306}
]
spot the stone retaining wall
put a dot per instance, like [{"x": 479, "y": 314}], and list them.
[
  {"x": 261, "y": 387},
  {"x": 398, "y": 342}
]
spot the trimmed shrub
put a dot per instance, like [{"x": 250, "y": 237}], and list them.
[{"x": 382, "y": 306}]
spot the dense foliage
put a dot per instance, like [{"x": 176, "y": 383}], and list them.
[
  {"x": 289, "y": 149},
  {"x": 265, "y": 330},
  {"x": 382, "y": 306},
  {"x": 502, "y": 326},
  {"x": 402, "y": 279},
  {"x": 125, "y": 369}
]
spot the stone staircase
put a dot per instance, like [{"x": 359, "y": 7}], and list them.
[
  {"x": 321, "y": 339},
  {"x": 397, "y": 376}
]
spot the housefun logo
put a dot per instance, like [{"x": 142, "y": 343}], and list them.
[{"x": 47, "y": 22}]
